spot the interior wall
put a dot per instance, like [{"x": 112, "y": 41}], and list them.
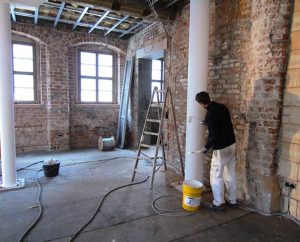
[
  {"x": 247, "y": 60},
  {"x": 143, "y": 39},
  {"x": 59, "y": 121},
  {"x": 289, "y": 163},
  {"x": 144, "y": 94}
]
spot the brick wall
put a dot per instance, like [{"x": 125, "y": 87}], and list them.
[
  {"x": 59, "y": 121},
  {"x": 289, "y": 163},
  {"x": 247, "y": 59}
]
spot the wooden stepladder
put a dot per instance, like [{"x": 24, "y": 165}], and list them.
[{"x": 161, "y": 104}]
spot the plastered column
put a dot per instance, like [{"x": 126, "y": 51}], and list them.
[
  {"x": 7, "y": 124},
  {"x": 197, "y": 81}
]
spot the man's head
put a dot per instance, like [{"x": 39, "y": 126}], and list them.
[{"x": 203, "y": 99}]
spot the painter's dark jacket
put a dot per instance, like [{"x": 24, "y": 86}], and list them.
[{"x": 220, "y": 129}]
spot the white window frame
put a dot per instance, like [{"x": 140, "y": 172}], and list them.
[
  {"x": 97, "y": 77},
  {"x": 161, "y": 81}
]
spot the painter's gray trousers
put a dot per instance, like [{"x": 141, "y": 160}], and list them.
[{"x": 223, "y": 171}]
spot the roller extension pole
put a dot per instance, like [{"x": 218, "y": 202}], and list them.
[{"x": 197, "y": 81}]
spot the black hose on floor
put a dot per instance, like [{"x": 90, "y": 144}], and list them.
[
  {"x": 25, "y": 167},
  {"x": 74, "y": 236},
  {"x": 39, "y": 203}
]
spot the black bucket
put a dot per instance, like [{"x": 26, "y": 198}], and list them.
[{"x": 51, "y": 170}]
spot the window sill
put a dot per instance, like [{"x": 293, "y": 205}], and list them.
[
  {"x": 28, "y": 105},
  {"x": 97, "y": 105}
]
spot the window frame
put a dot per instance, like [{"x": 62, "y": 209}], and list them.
[
  {"x": 34, "y": 73},
  {"x": 161, "y": 81},
  {"x": 97, "y": 77}
]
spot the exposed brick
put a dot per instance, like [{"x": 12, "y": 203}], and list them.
[{"x": 50, "y": 125}]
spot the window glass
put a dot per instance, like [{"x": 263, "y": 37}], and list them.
[
  {"x": 88, "y": 84},
  {"x": 157, "y": 78},
  {"x": 105, "y": 60},
  {"x": 105, "y": 85},
  {"x": 23, "y": 72},
  {"x": 156, "y": 65},
  {"x": 88, "y": 70},
  {"x": 23, "y": 94},
  {"x": 96, "y": 77},
  {"x": 105, "y": 96},
  {"x": 87, "y": 58},
  {"x": 88, "y": 96},
  {"x": 23, "y": 65},
  {"x": 23, "y": 81},
  {"x": 156, "y": 75},
  {"x": 23, "y": 51},
  {"x": 105, "y": 71}
]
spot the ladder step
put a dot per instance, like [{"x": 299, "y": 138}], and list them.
[
  {"x": 144, "y": 158},
  {"x": 157, "y": 105},
  {"x": 141, "y": 172},
  {"x": 160, "y": 91},
  {"x": 153, "y": 120},
  {"x": 145, "y": 155},
  {"x": 151, "y": 133},
  {"x": 147, "y": 146}
]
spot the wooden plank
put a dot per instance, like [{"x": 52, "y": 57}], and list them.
[
  {"x": 293, "y": 78},
  {"x": 291, "y": 133},
  {"x": 295, "y": 40},
  {"x": 288, "y": 169},
  {"x": 297, "y": 6},
  {"x": 291, "y": 97},
  {"x": 294, "y": 61},
  {"x": 290, "y": 152}
]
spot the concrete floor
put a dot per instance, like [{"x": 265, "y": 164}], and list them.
[{"x": 71, "y": 198}]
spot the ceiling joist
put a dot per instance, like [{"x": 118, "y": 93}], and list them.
[
  {"x": 80, "y": 17},
  {"x": 112, "y": 16},
  {"x": 61, "y": 8}
]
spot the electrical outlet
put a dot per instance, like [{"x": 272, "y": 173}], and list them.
[{"x": 290, "y": 185}]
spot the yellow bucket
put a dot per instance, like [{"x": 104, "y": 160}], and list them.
[{"x": 191, "y": 199}]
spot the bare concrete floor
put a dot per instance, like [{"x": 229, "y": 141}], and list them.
[{"x": 71, "y": 198}]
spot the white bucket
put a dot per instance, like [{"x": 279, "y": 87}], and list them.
[{"x": 106, "y": 143}]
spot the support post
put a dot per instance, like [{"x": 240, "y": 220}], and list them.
[
  {"x": 7, "y": 125},
  {"x": 197, "y": 81}
]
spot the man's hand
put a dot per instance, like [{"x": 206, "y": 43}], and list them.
[{"x": 204, "y": 150}]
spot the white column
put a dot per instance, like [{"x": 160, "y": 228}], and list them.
[
  {"x": 197, "y": 81},
  {"x": 7, "y": 125}
]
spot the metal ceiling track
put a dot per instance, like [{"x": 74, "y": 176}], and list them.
[{"x": 61, "y": 7}]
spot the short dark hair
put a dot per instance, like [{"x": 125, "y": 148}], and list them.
[{"x": 203, "y": 97}]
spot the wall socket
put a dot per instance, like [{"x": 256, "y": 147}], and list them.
[{"x": 290, "y": 185}]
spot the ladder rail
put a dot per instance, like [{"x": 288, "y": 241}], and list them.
[
  {"x": 159, "y": 137},
  {"x": 161, "y": 109},
  {"x": 141, "y": 138},
  {"x": 176, "y": 131}
]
